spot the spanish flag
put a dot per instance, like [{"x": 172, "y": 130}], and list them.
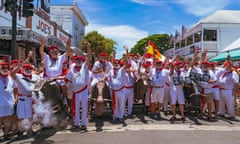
[{"x": 152, "y": 49}]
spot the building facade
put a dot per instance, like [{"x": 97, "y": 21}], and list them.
[
  {"x": 72, "y": 20},
  {"x": 213, "y": 33},
  {"x": 29, "y": 32}
]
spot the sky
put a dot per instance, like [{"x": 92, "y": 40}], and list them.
[{"x": 127, "y": 21}]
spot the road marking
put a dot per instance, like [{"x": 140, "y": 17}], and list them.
[{"x": 168, "y": 127}]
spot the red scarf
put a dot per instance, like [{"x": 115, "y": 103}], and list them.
[
  {"x": 226, "y": 73},
  {"x": 77, "y": 68},
  {"x": 65, "y": 71}
]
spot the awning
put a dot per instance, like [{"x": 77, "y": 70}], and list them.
[
  {"x": 21, "y": 33},
  {"x": 235, "y": 55},
  {"x": 233, "y": 46}
]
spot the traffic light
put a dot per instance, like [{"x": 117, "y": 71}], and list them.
[
  {"x": 9, "y": 5},
  {"x": 27, "y": 8}
]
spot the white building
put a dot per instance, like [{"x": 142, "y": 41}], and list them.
[
  {"x": 71, "y": 19},
  {"x": 213, "y": 33}
]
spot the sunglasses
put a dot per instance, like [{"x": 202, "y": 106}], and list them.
[
  {"x": 27, "y": 69},
  {"x": 79, "y": 60},
  {"x": 54, "y": 51},
  {"x": 5, "y": 67}
]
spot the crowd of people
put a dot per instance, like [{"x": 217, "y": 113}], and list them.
[{"x": 166, "y": 80}]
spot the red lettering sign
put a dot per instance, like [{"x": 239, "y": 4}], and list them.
[
  {"x": 44, "y": 27},
  {"x": 63, "y": 38}
]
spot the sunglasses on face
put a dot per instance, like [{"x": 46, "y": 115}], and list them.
[
  {"x": 78, "y": 60},
  {"x": 5, "y": 67},
  {"x": 28, "y": 69},
  {"x": 54, "y": 51}
]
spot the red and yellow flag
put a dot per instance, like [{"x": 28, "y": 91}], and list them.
[{"x": 152, "y": 49}]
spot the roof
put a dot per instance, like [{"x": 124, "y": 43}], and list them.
[
  {"x": 233, "y": 46},
  {"x": 223, "y": 16}
]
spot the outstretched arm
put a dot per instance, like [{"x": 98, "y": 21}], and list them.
[
  {"x": 41, "y": 49},
  {"x": 68, "y": 48},
  {"x": 15, "y": 70}
]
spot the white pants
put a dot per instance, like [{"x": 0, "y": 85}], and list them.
[
  {"x": 157, "y": 95},
  {"x": 119, "y": 104},
  {"x": 24, "y": 107},
  {"x": 216, "y": 93},
  {"x": 167, "y": 98},
  {"x": 227, "y": 98},
  {"x": 177, "y": 95},
  {"x": 6, "y": 110},
  {"x": 81, "y": 101},
  {"x": 129, "y": 98}
]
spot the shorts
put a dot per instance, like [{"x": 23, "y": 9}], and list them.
[
  {"x": 209, "y": 97},
  {"x": 6, "y": 111},
  {"x": 157, "y": 95}
]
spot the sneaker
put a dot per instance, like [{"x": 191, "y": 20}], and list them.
[
  {"x": 165, "y": 113},
  {"x": 173, "y": 118},
  {"x": 30, "y": 133},
  {"x": 20, "y": 135},
  {"x": 7, "y": 137},
  {"x": 183, "y": 119},
  {"x": 83, "y": 128},
  {"x": 200, "y": 116},
  {"x": 159, "y": 116}
]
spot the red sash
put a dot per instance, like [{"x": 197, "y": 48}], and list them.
[
  {"x": 73, "y": 100},
  {"x": 114, "y": 99},
  {"x": 128, "y": 87}
]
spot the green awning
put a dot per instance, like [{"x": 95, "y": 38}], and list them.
[{"x": 235, "y": 55}]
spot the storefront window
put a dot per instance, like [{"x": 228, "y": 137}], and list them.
[
  {"x": 183, "y": 43},
  {"x": 177, "y": 45},
  {"x": 197, "y": 36},
  {"x": 210, "y": 35},
  {"x": 189, "y": 40}
]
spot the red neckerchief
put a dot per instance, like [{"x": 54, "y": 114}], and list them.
[
  {"x": 77, "y": 68},
  {"x": 226, "y": 73},
  {"x": 115, "y": 70},
  {"x": 27, "y": 76},
  {"x": 101, "y": 61},
  {"x": 178, "y": 72},
  {"x": 65, "y": 71},
  {"x": 4, "y": 76}
]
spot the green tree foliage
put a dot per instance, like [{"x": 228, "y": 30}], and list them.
[
  {"x": 99, "y": 43},
  {"x": 160, "y": 40}
]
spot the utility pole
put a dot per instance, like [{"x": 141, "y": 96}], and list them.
[{"x": 14, "y": 30}]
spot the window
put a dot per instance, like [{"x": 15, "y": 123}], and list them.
[
  {"x": 177, "y": 45},
  {"x": 210, "y": 35},
  {"x": 197, "y": 36},
  {"x": 183, "y": 43},
  {"x": 189, "y": 40}
]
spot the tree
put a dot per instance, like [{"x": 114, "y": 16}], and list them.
[
  {"x": 160, "y": 40},
  {"x": 99, "y": 43}
]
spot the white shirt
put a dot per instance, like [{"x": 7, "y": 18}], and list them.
[
  {"x": 228, "y": 79},
  {"x": 205, "y": 85},
  {"x": 79, "y": 79},
  {"x": 6, "y": 91},
  {"x": 159, "y": 77},
  {"x": 24, "y": 86},
  {"x": 54, "y": 68},
  {"x": 117, "y": 79}
]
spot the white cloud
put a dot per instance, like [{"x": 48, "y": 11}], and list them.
[
  {"x": 197, "y": 8},
  {"x": 122, "y": 34},
  {"x": 203, "y": 7}
]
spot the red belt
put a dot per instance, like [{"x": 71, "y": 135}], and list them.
[
  {"x": 225, "y": 89},
  {"x": 24, "y": 95},
  {"x": 114, "y": 99},
  {"x": 73, "y": 100},
  {"x": 128, "y": 87},
  {"x": 216, "y": 86}
]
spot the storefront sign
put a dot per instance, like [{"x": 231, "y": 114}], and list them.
[
  {"x": 41, "y": 26},
  {"x": 63, "y": 37},
  {"x": 21, "y": 34}
]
